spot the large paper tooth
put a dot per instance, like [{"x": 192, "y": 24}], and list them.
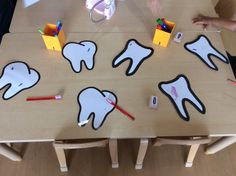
[
  {"x": 19, "y": 76},
  {"x": 203, "y": 48},
  {"x": 93, "y": 104},
  {"x": 136, "y": 53},
  {"x": 76, "y": 53},
  {"x": 178, "y": 90}
]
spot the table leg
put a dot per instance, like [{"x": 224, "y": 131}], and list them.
[
  {"x": 8, "y": 152},
  {"x": 113, "y": 152},
  {"x": 141, "y": 153},
  {"x": 220, "y": 144}
]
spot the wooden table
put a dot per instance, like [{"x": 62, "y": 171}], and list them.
[
  {"x": 50, "y": 120},
  {"x": 130, "y": 16},
  {"x": 23, "y": 121}
]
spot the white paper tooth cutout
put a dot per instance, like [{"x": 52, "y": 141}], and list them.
[
  {"x": 203, "y": 48},
  {"x": 18, "y": 76},
  {"x": 76, "y": 53},
  {"x": 136, "y": 53},
  {"x": 178, "y": 91},
  {"x": 93, "y": 104}
]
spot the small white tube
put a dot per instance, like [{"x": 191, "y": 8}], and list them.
[{"x": 153, "y": 102}]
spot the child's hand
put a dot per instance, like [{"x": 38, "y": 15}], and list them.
[
  {"x": 202, "y": 20},
  {"x": 155, "y": 7}
]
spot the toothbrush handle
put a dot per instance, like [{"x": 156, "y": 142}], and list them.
[{"x": 123, "y": 111}]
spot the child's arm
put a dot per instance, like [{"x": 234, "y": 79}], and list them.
[
  {"x": 155, "y": 7},
  {"x": 215, "y": 22}
]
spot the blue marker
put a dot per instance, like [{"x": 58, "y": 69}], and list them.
[
  {"x": 163, "y": 25},
  {"x": 59, "y": 28},
  {"x": 58, "y": 23}
]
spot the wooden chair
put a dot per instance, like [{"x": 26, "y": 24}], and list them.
[
  {"x": 7, "y": 151},
  {"x": 61, "y": 146},
  {"x": 194, "y": 144}
]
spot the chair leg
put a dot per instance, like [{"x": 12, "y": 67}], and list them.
[
  {"x": 191, "y": 155},
  {"x": 220, "y": 144},
  {"x": 9, "y": 144},
  {"x": 113, "y": 153},
  {"x": 61, "y": 158},
  {"x": 141, "y": 153},
  {"x": 8, "y": 152}
]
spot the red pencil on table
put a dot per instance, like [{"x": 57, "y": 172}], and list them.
[
  {"x": 120, "y": 109},
  {"x": 56, "y": 97}
]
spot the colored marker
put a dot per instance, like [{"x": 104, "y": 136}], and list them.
[
  {"x": 159, "y": 27},
  {"x": 159, "y": 21},
  {"x": 163, "y": 25},
  {"x": 120, "y": 109},
  {"x": 59, "y": 28},
  {"x": 164, "y": 21},
  {"x": 41, "y": 31},
  {"x": 56, "y": 97},
  {"x": 58, "y": 23}
]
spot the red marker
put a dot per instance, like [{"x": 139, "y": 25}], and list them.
[
  {"x": 159, "y": 27},
  {"x": 56, "y": 97},
  {"x": 120, "y": 109}
]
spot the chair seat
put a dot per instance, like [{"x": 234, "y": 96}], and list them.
[
  {"x": 61, "y": 146},
  {"x": 193, "y": 142}
]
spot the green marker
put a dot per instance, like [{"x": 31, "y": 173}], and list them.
[
  {"x": 40, "y": 31},
  {"x": 159, "y": 21}
]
